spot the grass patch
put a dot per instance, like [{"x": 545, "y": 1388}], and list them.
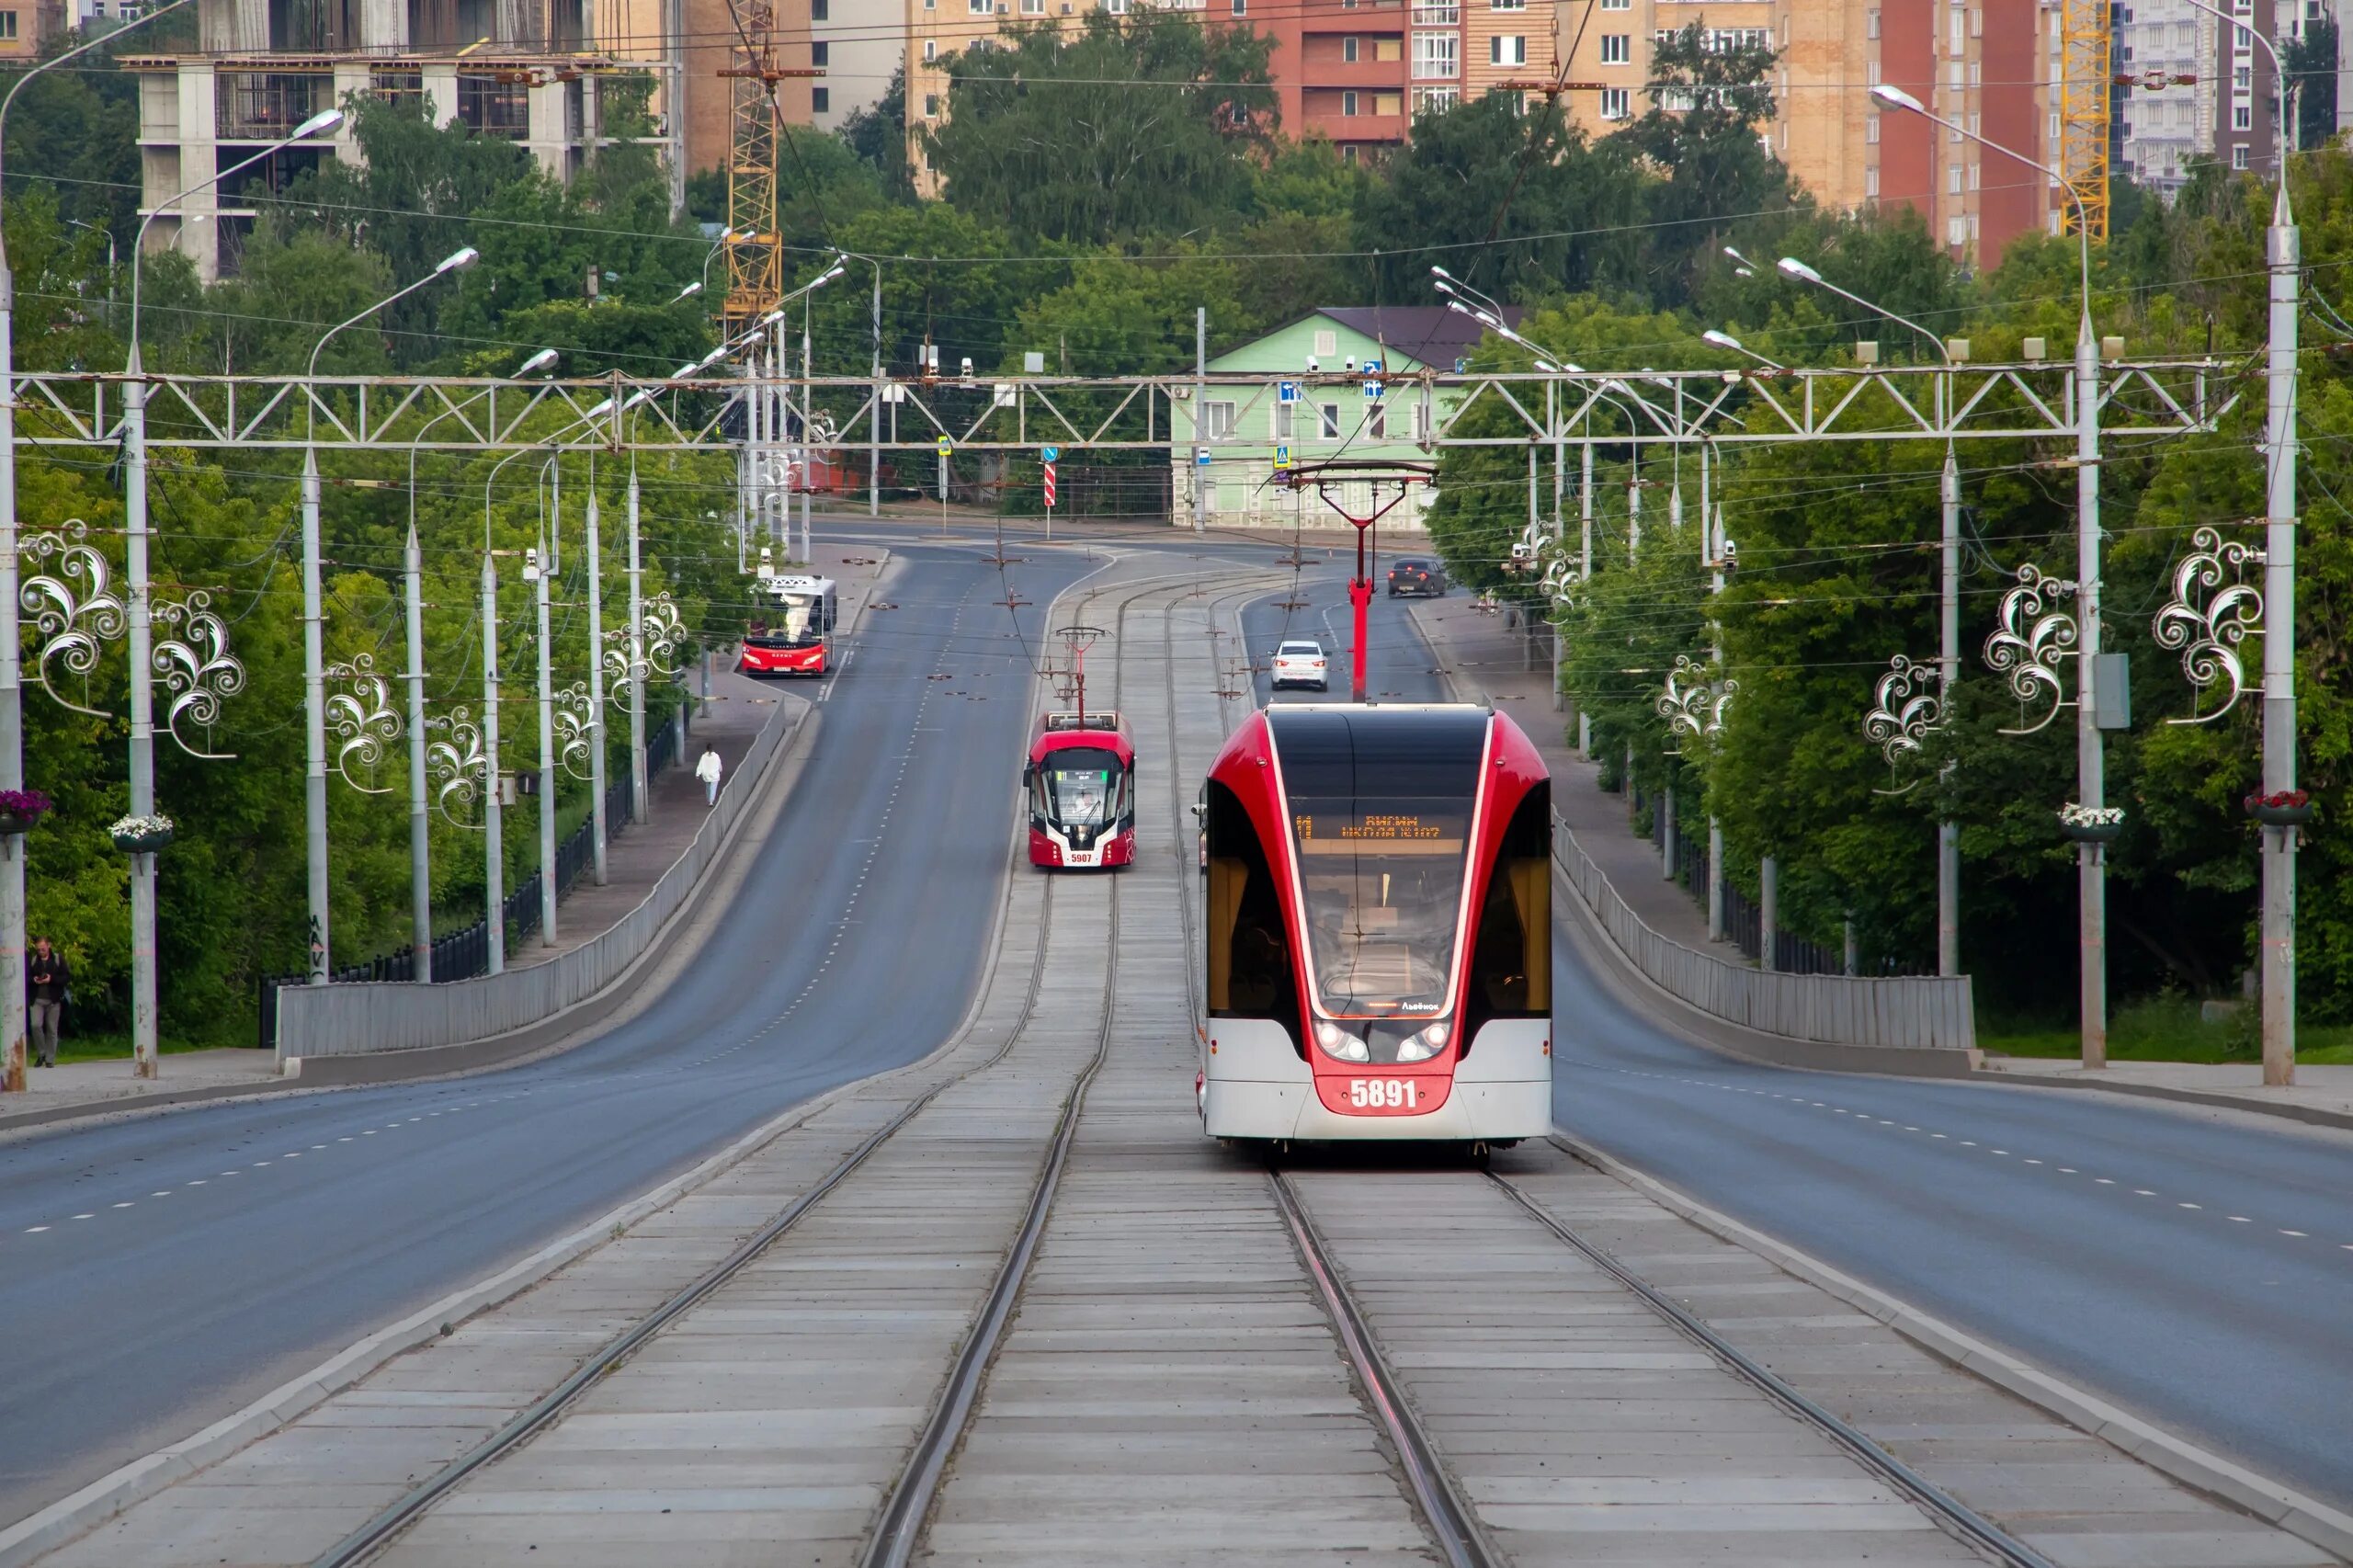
[
  {"x": 117, "y": 1047},
  {"x": 2165, "y": 1028}
]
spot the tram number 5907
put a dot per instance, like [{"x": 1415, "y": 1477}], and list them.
[{"x": 1384, "y": 1094}]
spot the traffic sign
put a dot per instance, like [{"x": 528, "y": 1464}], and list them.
[
  {"x": 1050, "y": 482},
  {"x": 946, "y": 445},
  {"x": 1050, "y": 453},
  {"x": 1282, "y": 459},
  {"x": 1201, "y": 457},
  {"x": 1285, "y": 392}
]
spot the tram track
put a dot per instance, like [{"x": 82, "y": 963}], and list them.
[{"x": 368, "y": 1542}]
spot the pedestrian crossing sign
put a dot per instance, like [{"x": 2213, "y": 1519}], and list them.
[
  {"x": 1282, "y": 459},
  {"x": 946, "y": 445}
]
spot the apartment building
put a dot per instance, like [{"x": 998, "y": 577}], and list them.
[
  {"x": 705, "y": 46},
  {"x": 528, "y": 71},
  {"x": 25, "y": 25},
  {"x": 1353, "y": 71},
  {"x": 857, "y": 44},
  {"x": 1979, "y": 62}
]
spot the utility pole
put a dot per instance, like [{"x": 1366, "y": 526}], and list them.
[
  {"x": 143, "y": 717},
  {"x": 1585, "y": 569},
  {"x": 494, "y": 840},
  {"x": 874, "y": 410},
  {"x": 1948, "y": 669},
  {"x": 2091, "y": 762},
  {"x": 314, "y": 719},
  {"x": 1201, "y": 471},
  {"x": 420, "y": 839},
  {"x": 596, "y": 814},
  {"x": 540, "y": 569},
  {"x": 2284, "y": 250},
  {"x": 641, "y": 794}
]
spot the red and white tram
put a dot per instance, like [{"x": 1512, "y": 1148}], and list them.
[
  {"x": 1379, "y": 927},
  {"x": 791, "y": 627},
  {"x": 1081, "y": 785}
]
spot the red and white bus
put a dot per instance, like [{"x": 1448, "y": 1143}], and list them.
[
  {"x": 790, "y": 631},
  {"x": 1081, "y": 787},
  {"x": 1378, "y": 929}
]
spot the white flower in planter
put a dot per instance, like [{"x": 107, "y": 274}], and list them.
[
  {"x": 2091, "y": 816},
  {"x": 140, "y": 827}
]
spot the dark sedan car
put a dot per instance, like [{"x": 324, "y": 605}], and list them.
[{"x": 1413, "y": 574}]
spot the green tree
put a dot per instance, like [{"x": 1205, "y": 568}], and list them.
[
  {"x": 877, "y": 134},
  {"x": 1709, "y": 104}
]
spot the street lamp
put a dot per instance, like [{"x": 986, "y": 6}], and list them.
[
  {"x": 12, "y": 730},
  {"x": 2090, "y": 756},
  {"x": 2283, "y": 251},
  {"x": 314, "y": 680},
  {"x": 140, "y": 619},
  {"x": 689, "y": 292},
  {"x": 1726, "y": 340}
]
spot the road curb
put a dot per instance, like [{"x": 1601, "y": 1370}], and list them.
[
  {"x": 2315, "y": 1116},
  {"x": 2304, "y": 1517}
]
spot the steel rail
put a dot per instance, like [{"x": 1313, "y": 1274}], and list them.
[
  {"x": 1450, "y": 1516},
  {"x": 379, "y": 1531},
  {"x": 1958, "y": 1518},
  {"x": 899, "y": 1526}
]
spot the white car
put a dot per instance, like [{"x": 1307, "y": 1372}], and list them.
[{"x": 1301, "y": 664}]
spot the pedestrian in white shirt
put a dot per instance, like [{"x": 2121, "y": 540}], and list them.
[{"x": 706, "y": 769}]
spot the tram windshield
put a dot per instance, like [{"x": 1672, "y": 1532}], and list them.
[
  {"x": 1081, "y": 787},
  {"x": 1381, "y": 819}
]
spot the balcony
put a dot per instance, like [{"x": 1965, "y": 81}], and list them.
[
  {"x": 1345, "y": 128},
  {"x": 257, "y": 105}
]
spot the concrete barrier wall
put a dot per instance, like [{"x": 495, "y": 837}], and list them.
[
  {"x": 1923, "y": 1013},
  {"x": 359, "y": 1019}
]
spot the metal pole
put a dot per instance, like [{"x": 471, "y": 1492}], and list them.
[
  {"x": 1949, "y": 671},
  {"x": 874, "y": 410},
  {"x": 420, "y": 837},
  {"x": 640, "y": 801},
  {"x": 547, "y": 753},
  {"x": 12, "y": 717},
  {"x": 2090, "y": 761},
  {"x": 314, "y": 719},
  {"x": 2285, "y": 248},
  {"x": 1768, "y": 911},
  {"x": 1585, "y": 569},
  {"x": 1560, "y": 454},
  {"x": 808, "y": 436},
  {"x": 1715, "y": 881},
  {"x": 599, "y": 827},
  {"x": 142, "y": 720},
  {"x": 1201, "y": 474},
  {"x": 494, "y": 839},
  {"x": 1666, "y": 833}
]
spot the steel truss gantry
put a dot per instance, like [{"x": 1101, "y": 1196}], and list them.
[{"x": 2024, "y": 402}]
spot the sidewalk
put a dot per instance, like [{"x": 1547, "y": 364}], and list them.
[
  {"x": 1484, "y": 657},
  {"x": 2321, "y": 1094},
  {"x": 635, "y": 859}
]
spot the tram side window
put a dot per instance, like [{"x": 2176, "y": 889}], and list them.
[
  {"x": 1251, "y": 973},
  {"x": 1511, "y": 967}
]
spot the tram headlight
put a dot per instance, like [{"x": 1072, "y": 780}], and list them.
[
  {"x": 1421, "y": 1046},
  {"x": 1338, "y": 1042}
]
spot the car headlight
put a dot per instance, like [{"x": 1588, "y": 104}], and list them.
[
  {"x": 1338, "y": 1042},
  {"x": 1427, "y": 1043}
]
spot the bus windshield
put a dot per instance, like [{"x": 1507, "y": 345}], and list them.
[
  {"x": 794, "y": 621},
  {"x": 1081, "y": 787},
  {"x": 1381, "y": 820}
]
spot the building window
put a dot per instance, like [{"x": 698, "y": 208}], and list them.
[
  {"x": 820, "y": 53},
  {"x": 1871, "y": 73},
  {"x": 1221, "y": 421},
  {"x": 931, "y": 106},
  {"x": 1507, "y": 50},
  {"x": 1617, "y": 48},
  {"x": 1326, "y": 344},
  {"x": 2238, "y": 156},
  {"x": 1434, "y": 56},
  {"x": 981, "y": 8},
  {"x": 1422, "y": 422},
  {"x": 1241, "y": 8},
  {"x": 1349, "y": 104},
  {"x": 1870, "y": 179},
  {"x": 1443, "y": 14},
  {"x": 1389, "y": 51},
  {"x": 1507, "y": 5},
  {"x": 1956, "y": 230},
  {"x": 1615, "y": 104},
  {"x": 1952, "y": 179},
  {"x": 1349, "y": 51},
  {"x": 1870, "y": 22},
  {"x": 1976, "y": 23},
  {"x": 1870, "y": 131},
  {"x": 821, "y": 100},
  {"x": 2242, "y": 78},
  {"x": 1330, "y": 420},
  {"x": 9, "y": 25},
  {"x": 1617, "y": 5},
  {"x": 1434, "y": 100},
  {"x": 2242, "y": 118},
  {"x": 1376, "y": 421},
  {"x": 930, "y": 51},
  {"x": 1973, "y": 177},
  {"x": 821, "y": 10}
]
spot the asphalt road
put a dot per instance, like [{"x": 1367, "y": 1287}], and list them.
[
  {"x": 2195, "y": 1266},
  {"x": 157, "y": 1273}
]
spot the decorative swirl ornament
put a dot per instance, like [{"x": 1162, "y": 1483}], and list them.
[
  {"x": 575, "y": 730},
  {"x": 662, "y": 630},
  {"x": 2209, "y": 634},
  {"x": 2032, "y": 640},
  {"x": 197, "y": 666},
  {"x": 75, "y": 612},
  {"x": 364, "y": 720},
  {"x": 460, "y": 771},
  {"x": 618, "y": 672},
  {"x": 1906, "y": 712},
  {"x": 1692, "y": 705}
]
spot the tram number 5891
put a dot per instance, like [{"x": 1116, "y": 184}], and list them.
[{"x": 1384, "y": 1094}]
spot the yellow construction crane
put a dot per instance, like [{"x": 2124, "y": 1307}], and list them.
[
  {"x": 2085, "y": 85},
  {"x": 756, "y": 134}
]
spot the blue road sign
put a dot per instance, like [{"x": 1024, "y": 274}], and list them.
[
  {"x": 1202, "y": 457},
  {"x": 1048, "y": 454},
  {"x": 1282, "y": 456},
  {"x": 1285, "y": 392}
]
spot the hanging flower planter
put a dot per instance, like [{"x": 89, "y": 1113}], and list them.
[
  {"x": 2091, "y": 824},
  {"x": 2282, "y": 808},
  {"x": 142, "y": 835},
  {"x": 21, "y": 809}
]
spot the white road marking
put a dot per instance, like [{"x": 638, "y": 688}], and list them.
[{"x": 35, "y": 1229}]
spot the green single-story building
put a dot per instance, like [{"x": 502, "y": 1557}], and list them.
[{"x": 1317, "y": 361}]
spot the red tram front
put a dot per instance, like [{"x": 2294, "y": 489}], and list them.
[
  {"x": 1379, "y": 927},
  {"x": 1081, "y": 787}
]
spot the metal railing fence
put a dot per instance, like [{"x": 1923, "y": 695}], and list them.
[{"x": 1924, "y": 1012}]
